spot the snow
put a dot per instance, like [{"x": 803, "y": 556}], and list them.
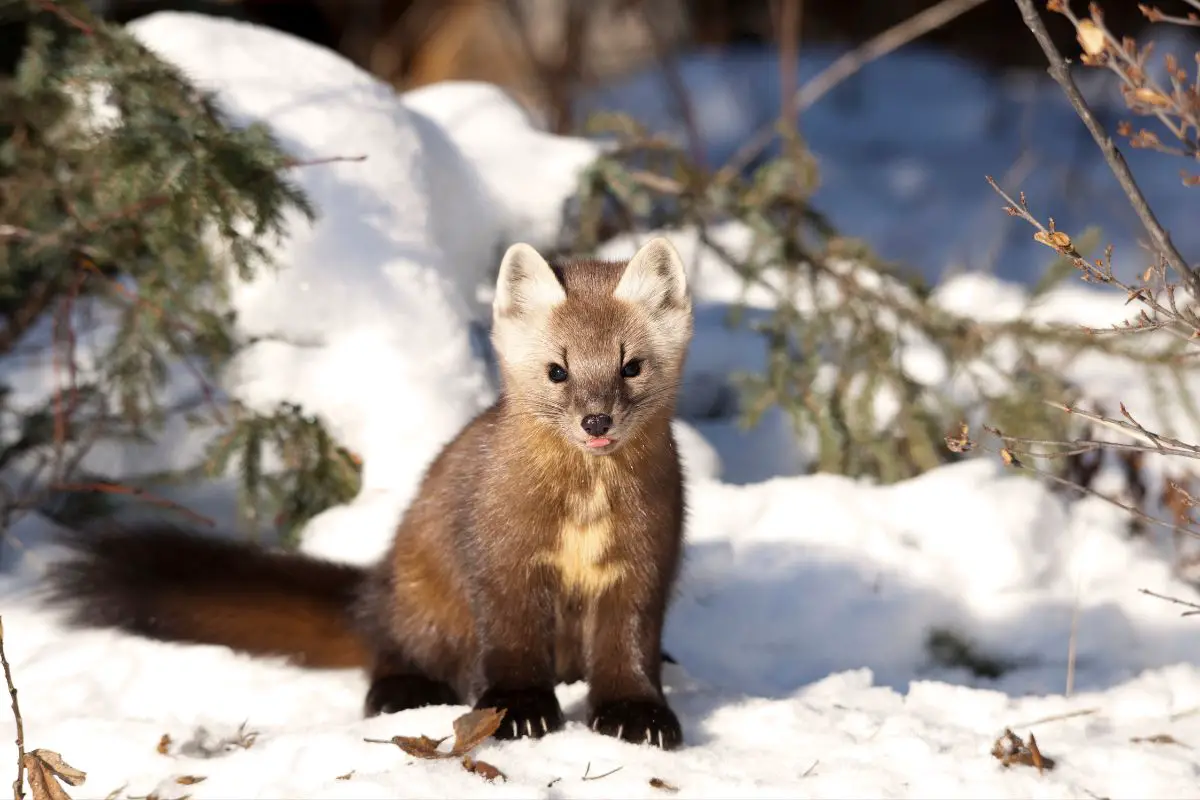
[{"x": 803, "y": 617}]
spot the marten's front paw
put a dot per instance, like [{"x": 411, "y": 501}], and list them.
[
  {"x": 527, "y": 712},
  {"x": 392, "y": 693},
  {"x": 639, "y": 721}
]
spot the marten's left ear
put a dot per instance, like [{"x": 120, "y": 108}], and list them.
[
  {"x": 654, "y": 278},
  {"x": 526, "y": 288}
]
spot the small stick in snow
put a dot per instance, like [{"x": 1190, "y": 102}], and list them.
[
  {"x": 19, "y": 783},
  {"x": 588, "y": 777}
]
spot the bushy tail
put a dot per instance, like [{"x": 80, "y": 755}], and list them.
[{"x": 165, "y": 583}]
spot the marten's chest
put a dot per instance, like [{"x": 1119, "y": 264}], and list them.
[{"x": 580, "y": 542}]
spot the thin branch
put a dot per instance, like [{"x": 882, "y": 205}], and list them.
[
  {"x": 669, "y": 69},
  {"x": 19, "y": 783},
  {"x": 847, "y": 65},
  {"x": 133, "y": 491},
  {"x": 789, "y": 59},
  {"x": 1116, "y": 162},
  {"x": 66, "y": 16},
  {"x": 1195, "y": 607},
  {"x": 1010, "y": 459}
]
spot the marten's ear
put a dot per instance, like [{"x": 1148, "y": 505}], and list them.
[
  {"x": 654, "y": 278},
  {"x": 526, "y": 286}
]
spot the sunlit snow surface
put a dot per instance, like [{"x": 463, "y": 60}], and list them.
[{"x": 805, "y": 603}]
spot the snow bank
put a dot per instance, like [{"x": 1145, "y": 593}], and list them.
[{"x": 806, "y": 604}]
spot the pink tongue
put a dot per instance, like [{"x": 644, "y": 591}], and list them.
[{"x": 598, "y": 441}]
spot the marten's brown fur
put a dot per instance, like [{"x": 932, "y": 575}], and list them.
[{"x": 541, "y": 547}]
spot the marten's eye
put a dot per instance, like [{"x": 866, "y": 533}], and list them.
[
  {"x": 557, "y": 374},
  {"x": 632, "y": 368}
]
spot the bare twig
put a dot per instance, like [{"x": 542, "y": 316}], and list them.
[
  {"x": 587, "y": 776},
  {"x": 1010, "y": 458},
  {"x": 1194, "y": 608},
  {"x": 669, "y": 69},
  {"x": 19, "y": 783},
  {"x": 789, "y": 47},
  {"x": 845, "y": 66},
  {"x": 312, "y": 162},
  {"x": 1116, "y": 162},
  {"x": 133, "y": 491}
]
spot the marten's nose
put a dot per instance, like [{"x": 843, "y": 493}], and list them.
[{"x": 596, "y": 424}]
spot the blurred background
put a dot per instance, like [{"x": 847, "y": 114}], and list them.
[{"x": 934, "y": 95}]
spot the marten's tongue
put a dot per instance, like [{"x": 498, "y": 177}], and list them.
[{"x": 598, "y": 441}]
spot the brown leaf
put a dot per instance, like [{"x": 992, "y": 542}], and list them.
[
  {"x": 469, "y": 730},
  {"x": 1009, "y": 459},
  {"x": 164, "y": 744},
  {"x": 1010, "y": 749},
  {"x": 483, "y": 769},
  {"x": 346, "y": 777},
  {"x": 1056, "y": 239},
  {"x": 42, "y": 784},
  {"x": 473, "y": 727},
  {"x": 659, "y": 783},
  {"x": 1150, "y": 97},
  {"x": 188, "y": 780},
  {"x": 61, "y": 769},
  {"x": 419, "y": 746},
  {"x": 1090, "y": 37}
]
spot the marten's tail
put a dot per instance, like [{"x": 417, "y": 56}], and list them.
[{"x": 165, "y": 583}]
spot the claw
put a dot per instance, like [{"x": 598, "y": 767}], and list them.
[
  {"x": 515, "y": 729},
  {"x": 620, "y": 730},
  {"x": 529, "y": 727}
]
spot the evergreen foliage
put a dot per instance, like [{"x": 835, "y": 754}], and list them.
[{"x": 127, "y": 204}]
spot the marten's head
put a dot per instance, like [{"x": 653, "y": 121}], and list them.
[{"x": 593, "y": 349}]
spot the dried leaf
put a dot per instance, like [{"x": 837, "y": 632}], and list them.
[
  {"x": 659, "y": 783},
  {"x": 42, "y": 784},
  {"x": 164, "y": 744},
  {"x": 188, "y": 780},
  {"x": 1008, "y": 458},
  {"x": 61, "y": 769},
  {"x": 473, "y": 727},
  {"x": 1145, "y": 94},
  {"x": 419, "y": 746},
  {"x": 469, "y": 730},
  {"x": 345, "y": 777},
  {"x": 1056, "y": 239},
  {"x": 483, "y": 769},
  {"x": 1010, "y": 749},
  {"x": 1090, "y": 37}
]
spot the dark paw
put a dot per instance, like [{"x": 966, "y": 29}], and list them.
[
  {"x": 639, "y": 721},
  {"x": 393, "y": 693},
  {"x": 527, "y": 712}
]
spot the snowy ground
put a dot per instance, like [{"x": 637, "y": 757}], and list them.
[{"x": 802, "y": 619}]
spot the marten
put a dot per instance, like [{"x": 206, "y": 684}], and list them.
[{"x": 542, "y": 546}]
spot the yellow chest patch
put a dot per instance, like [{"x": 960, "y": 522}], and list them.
[{"x": 581, "y": 555}]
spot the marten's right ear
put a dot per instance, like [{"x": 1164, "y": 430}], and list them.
[{"x": 527, "y": 286}]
